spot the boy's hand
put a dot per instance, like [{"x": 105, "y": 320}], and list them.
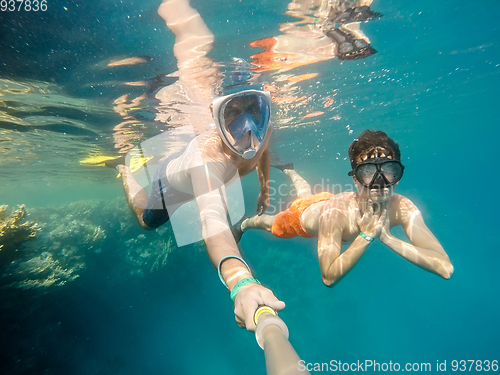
[
  {"x": 371, "y": 224},
  {"x": 386, "y": 229},
  {"x": 248, "y": 300},
  {"x": 262, "y": 203}
]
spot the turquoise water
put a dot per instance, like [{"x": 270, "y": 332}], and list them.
[{"x": 136, "y": 308}]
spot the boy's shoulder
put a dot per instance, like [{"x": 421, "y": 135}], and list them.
[
  {"x": 344, "y": 198},
  {"x": 345, "y": 202},
  {"x": 402, "y": 209},
  {"x": 402, "y": 202}
]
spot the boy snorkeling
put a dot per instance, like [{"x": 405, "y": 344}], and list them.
[
  {"x": 234, "y": 146},
  {"x": 359, "y": 216}
]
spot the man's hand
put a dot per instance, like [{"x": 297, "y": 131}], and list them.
[
  {"x": 262, "y": 202},
  {"x": 248, "y": 299}
]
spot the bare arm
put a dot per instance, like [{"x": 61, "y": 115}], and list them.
[
  {"x": 209, "y": 192},
  {"x": 424, "y": 250},
  {"x": 193, "y": 39},
  {"x": 334, "y": 266},
  {"x": 263, "y": 172},
  {"x": 198, "y": 76},
  {"x": 220, "y": 243}
]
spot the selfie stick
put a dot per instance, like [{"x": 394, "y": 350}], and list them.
[{"x": 272, "y": 336}]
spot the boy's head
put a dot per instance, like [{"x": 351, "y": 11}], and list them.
[
  {"x": 376, "y": 167},
  {"x": 373, "y": 144}
]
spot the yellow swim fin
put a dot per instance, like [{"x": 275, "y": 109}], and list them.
[
  {"x": 98, "y": 160},
  {"x": 136, "y": 161}
]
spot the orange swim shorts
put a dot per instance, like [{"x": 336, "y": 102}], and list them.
[{"x": 287, "y": 223}]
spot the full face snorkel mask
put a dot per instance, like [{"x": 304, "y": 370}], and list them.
[
  {"x": 242, "y": 119},
  {"x": 378, "y": 172}
]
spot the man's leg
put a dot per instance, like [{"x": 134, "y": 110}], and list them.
[{"x": 137, "y": 197}]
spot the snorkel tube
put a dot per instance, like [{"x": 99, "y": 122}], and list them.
[{"x": 272, "y": 336}]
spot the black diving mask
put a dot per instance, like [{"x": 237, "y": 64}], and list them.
[{"x": 378, "y": 172}]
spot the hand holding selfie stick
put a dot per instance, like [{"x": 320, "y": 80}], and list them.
[{"x": 272, "y": 336}]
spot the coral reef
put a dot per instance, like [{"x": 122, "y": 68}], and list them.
[
  {"x": 44, "y": 271},
  {"x": 144, "y": 255},
  {"x": 80, "y": 239},
  {"x": 85, "y": 252},
  {"x": 14, "y": 230}
]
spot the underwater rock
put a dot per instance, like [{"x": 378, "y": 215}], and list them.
[{"x": 14, "y": 230}]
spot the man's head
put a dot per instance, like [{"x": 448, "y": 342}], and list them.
[
  {"x": 242, "y": 119},
  {"x": 375, "y": 161}
]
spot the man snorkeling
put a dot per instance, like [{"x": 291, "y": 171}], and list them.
[
  {"x": 360, "y": 216},
  {"x": 232, "y": 147}
]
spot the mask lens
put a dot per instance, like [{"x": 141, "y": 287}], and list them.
[
  {"x": 392, "y": 171},
  {"x": 250, "y": 104},
  {"x": 365, "y": 173},
  {"x": 243, "y": 120}
]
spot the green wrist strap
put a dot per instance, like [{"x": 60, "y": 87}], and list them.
[
  {"x": 241, "y": 284},
  {"x": 366, "y": 237}
]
